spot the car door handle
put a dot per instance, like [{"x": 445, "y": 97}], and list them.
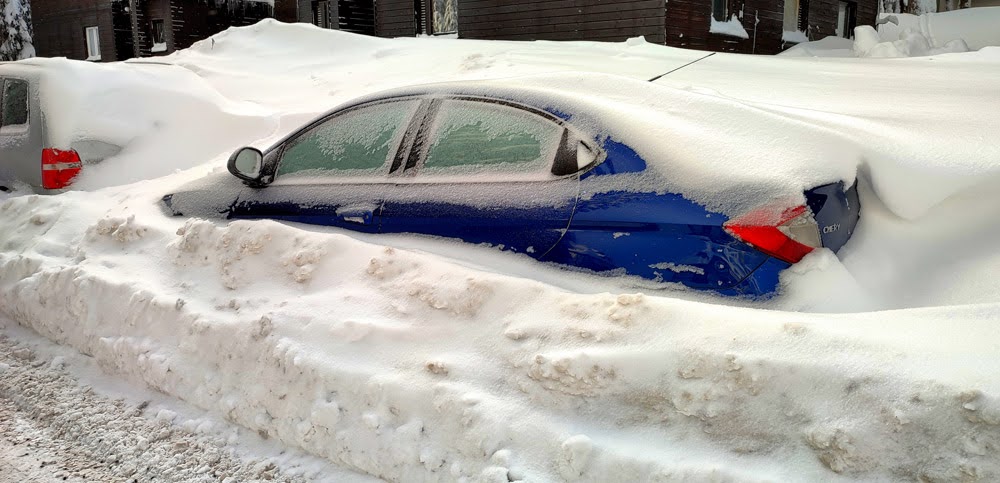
[{"x": 358, "y": 217}]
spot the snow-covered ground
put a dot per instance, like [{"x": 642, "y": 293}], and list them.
[
  {"x": 408, "y": 358},
  {"x": 63, "y": 419}
]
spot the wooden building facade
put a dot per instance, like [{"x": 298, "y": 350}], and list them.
[
  {"x": 111, "y": 30},
  {"x": 744, "y": 26},
  {"x": 62, "y": 29}
]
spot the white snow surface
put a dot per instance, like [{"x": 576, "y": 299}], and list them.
[{"x": 409, "y": 358}]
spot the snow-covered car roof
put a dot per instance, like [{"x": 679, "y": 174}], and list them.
[
  {"x": 715, "y": 150},
  {"x": 22, "y": 67},
  {"x": 142, "y": 107}
]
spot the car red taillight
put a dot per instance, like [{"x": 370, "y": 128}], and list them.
[
  {"x": 59, "y": 168},
  {"x": 787, "y": 234}
]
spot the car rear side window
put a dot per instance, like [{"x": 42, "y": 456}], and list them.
[
  {"x": 476, "y": 136},
  {"x": 359, "y": 142},
  {"x": 15, "y": 105}
]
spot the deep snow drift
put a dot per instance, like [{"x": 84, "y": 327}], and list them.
[{"x": 416, "y": 359}]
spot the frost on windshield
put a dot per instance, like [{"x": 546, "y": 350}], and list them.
[
  {"x": 357, "y": 143},
  {"x": 473, "y": 137}
]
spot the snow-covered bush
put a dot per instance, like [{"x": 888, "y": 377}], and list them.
[
  {"x": 15, "y": 30},
  {"x": 915, "y": 7},
  {"x": 445, "y": 16}
]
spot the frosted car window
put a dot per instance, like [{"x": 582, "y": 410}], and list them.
[
  {"x": 15, "y": 103},
  {"x": 472, "y": 137},
  {"x": 357, "y": 143}
]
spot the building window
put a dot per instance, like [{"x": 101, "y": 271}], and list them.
[
  {"x": 445, "y": 16},
  {"x": 321, "y": 14},
  {"x": 790, "y": 21},
  {"x": 795, "y": 22},
  {"x": 93, "y": 44},
  {"x": 158, "y": 35},
  {"x": 803, "y": 16},
  {"x": 719, "y": 10},
  {"x": 420, "y": 16},
  {"x": 847, "y": 18}
]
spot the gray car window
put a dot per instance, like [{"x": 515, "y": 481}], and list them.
[
  {"x": 15, "y": 103},
  {"x": 356, "y": 143},
  {"x": 473, "y": 136}
]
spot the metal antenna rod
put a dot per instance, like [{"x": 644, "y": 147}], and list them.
[{"x": 683, "y": 66}]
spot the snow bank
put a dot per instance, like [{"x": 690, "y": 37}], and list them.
[
  {"x": 407, "y": 366},
  {"x": 869, "y": 43},
  {"x": 976, "y": 27},
  {"x": 831, "y": 46},
  {"x": 415, "y": 359},
  {"x": 906, "y": 35}
]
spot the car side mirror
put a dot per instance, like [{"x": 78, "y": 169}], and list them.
[
  {"x": 585, "y": 156},
  {"x": 246, "y": 164},
  {"x": 574, "y": 155}
]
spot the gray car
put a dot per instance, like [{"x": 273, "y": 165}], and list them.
[{"x": 28, "y": 155}]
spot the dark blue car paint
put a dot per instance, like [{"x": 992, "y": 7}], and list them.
[
  {"x": 623, "y": 160},
  {"x": 663, "y": 237},
  {"x": 514, "y": 227},
  {"x": 351, "y": 206},
  {"x": 659, "y": 237}
]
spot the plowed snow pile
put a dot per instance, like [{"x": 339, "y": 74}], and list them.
[{"x": 412, "y": 359}]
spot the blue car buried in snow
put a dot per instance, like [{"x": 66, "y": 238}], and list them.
[{"x": 522, "y": 169}]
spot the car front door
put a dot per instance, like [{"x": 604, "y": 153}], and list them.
[
  {"x": 335, "y": 171},
  {"x": 483, "y": 171}
]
